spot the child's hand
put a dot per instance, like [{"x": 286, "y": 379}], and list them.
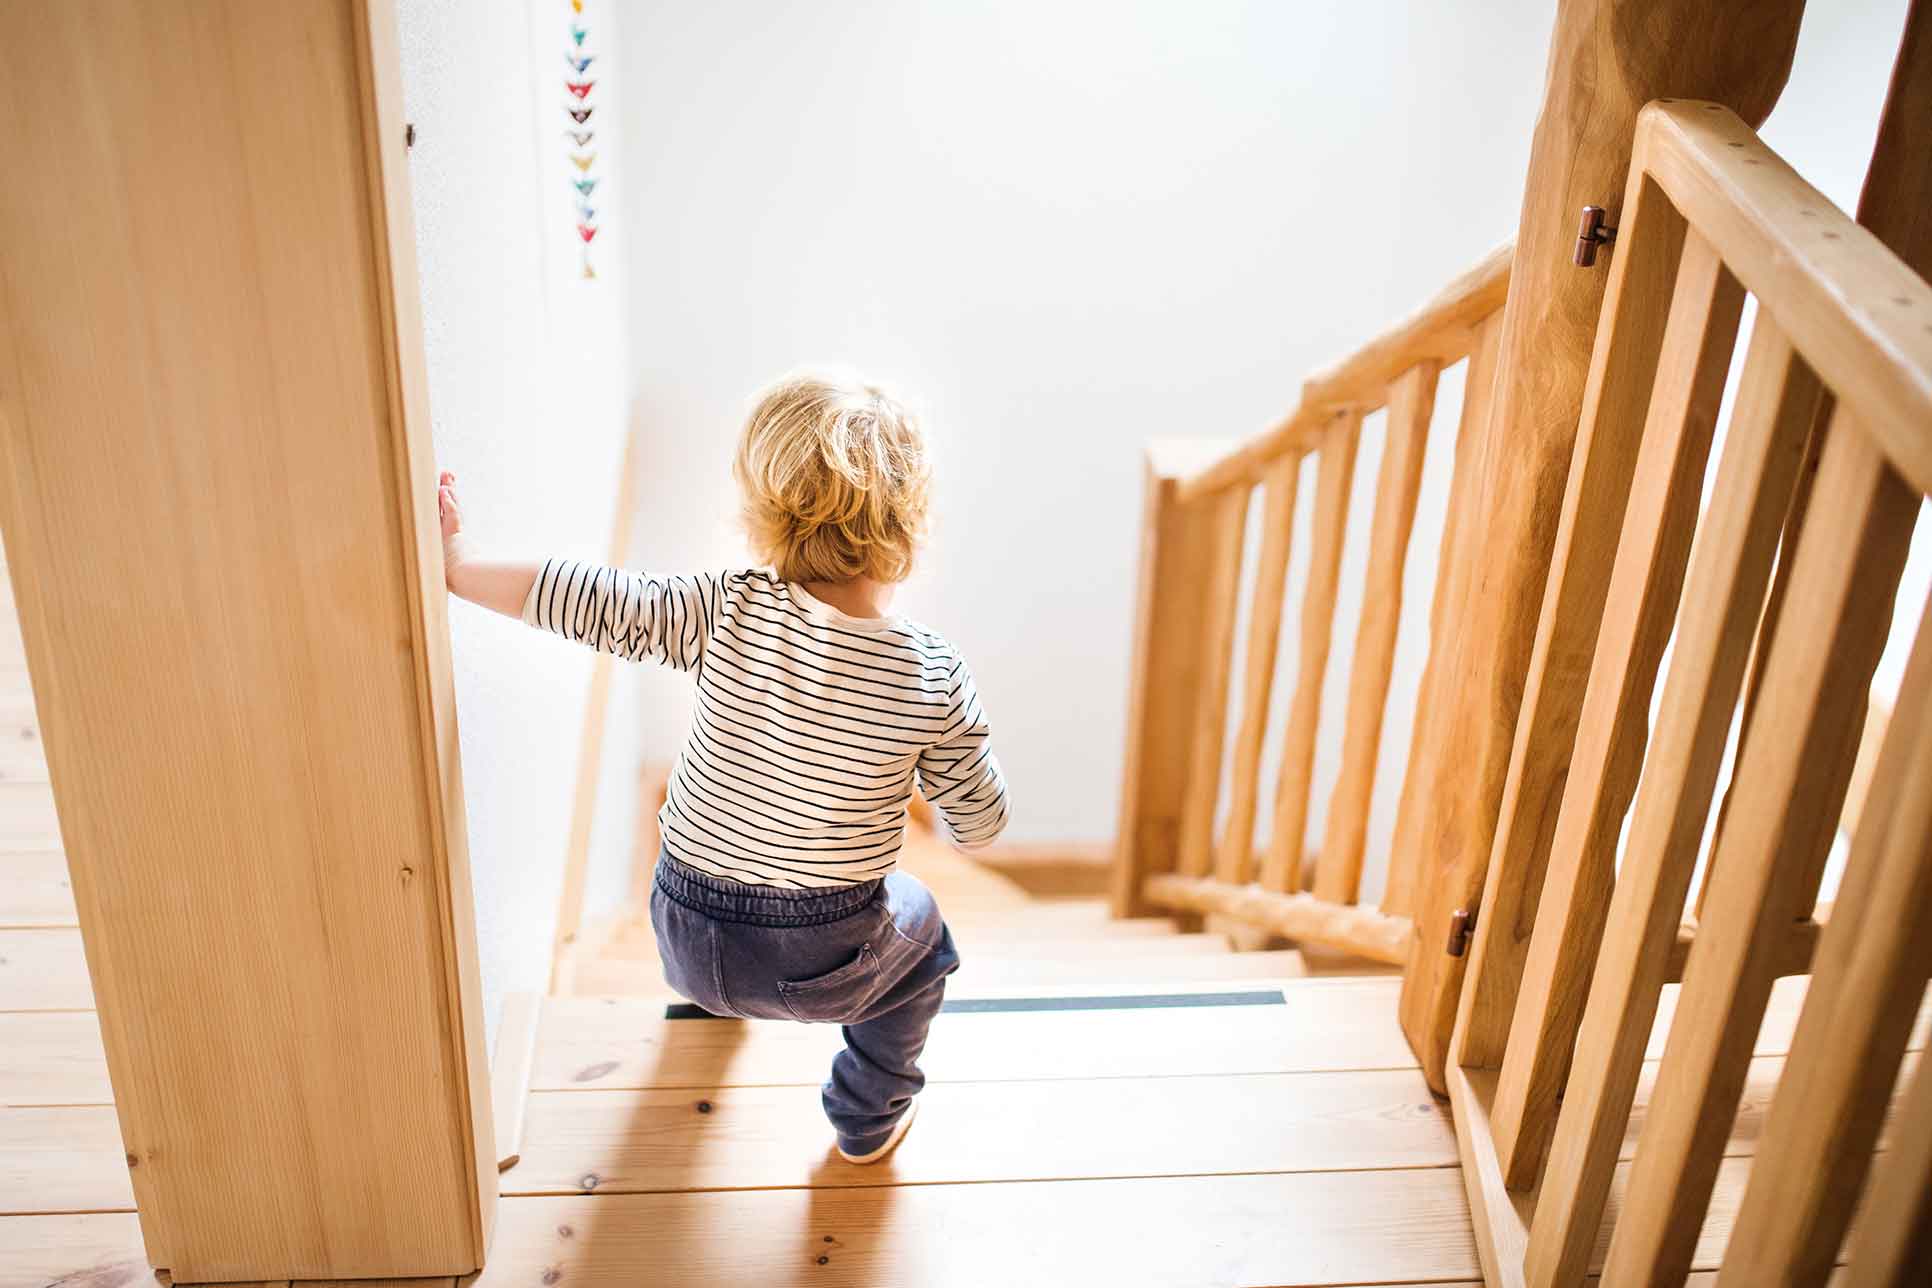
[
  {"x": 499, "y": 585},
  {"x": 446, "y": 507},
  {"x": 452, "y": 516}
]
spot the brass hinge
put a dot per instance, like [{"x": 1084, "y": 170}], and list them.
[
  {"x": 1591, "y": 233},
  {"x": 1461, "y": 926}
]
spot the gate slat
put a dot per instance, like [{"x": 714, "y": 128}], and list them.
[
  {"x": 1791, "y": 778},
  {"x": 1641, "y": 604},
  {"x": 1722, "y": 595},
  {"x": 1866, "y": 988}
]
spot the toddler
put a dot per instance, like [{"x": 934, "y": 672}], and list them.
[{"x": 818, "y": 711}]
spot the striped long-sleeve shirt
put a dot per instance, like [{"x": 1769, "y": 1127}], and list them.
[{"x": 812, "y": 726}]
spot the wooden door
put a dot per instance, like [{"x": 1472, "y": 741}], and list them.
[{"x": 215, "y": 483}]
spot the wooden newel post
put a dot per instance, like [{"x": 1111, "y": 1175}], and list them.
[
  {"x": 1607, "y": 59},
  {"x": 219, "y": 506},
  {"x": 1170, "y": 661}
]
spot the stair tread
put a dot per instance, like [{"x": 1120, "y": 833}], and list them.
[
  {"x": 770, "y": 1137},
  {"x": 936, "y": 1236},
  {"x": 1391, "y": 1227},
  {"x": 1117, "y": 972},
  {"x": 1401, "y": 1225},
  {"x": 44, "y": 970},
  {"x": 37, "y": 892},
  {"x": 27, "y": 820},
  {"x": 53, "y": 1058},
  {"x": 69, "y": 1158}
]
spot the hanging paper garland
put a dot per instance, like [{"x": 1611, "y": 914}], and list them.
[{"x": 579, "y": 108}]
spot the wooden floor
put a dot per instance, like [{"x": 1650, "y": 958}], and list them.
[{"x": 1284, "y": 1139}]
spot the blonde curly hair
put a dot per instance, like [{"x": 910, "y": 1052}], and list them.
[{"x": 834, "y": 479}]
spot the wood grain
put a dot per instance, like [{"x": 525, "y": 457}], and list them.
[
  {"x": 516, "y": 1045},
  {"x": 1615, "y": 406},
  {"x": 277, "y": 909},
  {"x": 1852, "y": 305},
  {"x": 1454, "y": 559},
  {"x": 1235, "y": 861},
  {"x": 63, "y": 1159},
  {"x": 1228, "y": 524},
  {"x": 1894, "y": 1244},
  {"x": 1791, "y": 776},
  {"x": 53, "y": 1058},
  {"x": 1350, "y": 1227},
  {"x": 1501, "y": 1216},
  {"x": 1608, "y": 58},
  {"x": 1340, "y": 1023},
  {"x": 1896, "y": 205},
  {"x": 1867, "y": 986},
  {"x": 1639, "y": 610},
  {"x": 1412, "y": 403},
  {"x": 1725, "y": 587},
  {"x": 35, "y": 890},
  {"x": 43, "y": 970},
  {"x": 27, "y": 817},
  {"x": 1298, "y": 916},
  {"x": 1334, "y": 480},
  {"x": 1177, "y": 545},
  {"x": 770, "y": 1137}
]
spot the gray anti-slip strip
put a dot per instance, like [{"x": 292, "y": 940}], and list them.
[{"x": 1117, "y": 1002}]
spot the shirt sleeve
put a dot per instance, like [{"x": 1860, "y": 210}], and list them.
[
  {"x": 636, "y": 616},
  {"x": 960, "y": 777}
]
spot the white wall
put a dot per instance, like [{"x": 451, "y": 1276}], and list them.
[
  {"x": 1064, "y": 227},
  {"x": 1061, "y": 228},
  {"x": 529, "y": 390}
]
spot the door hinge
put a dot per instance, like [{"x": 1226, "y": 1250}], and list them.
[
  {"x": 1461, "y": 926},
  {"x": 1591, "y": 233}
]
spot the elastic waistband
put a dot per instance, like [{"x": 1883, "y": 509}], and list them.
[{"x": 760, "y": 905}]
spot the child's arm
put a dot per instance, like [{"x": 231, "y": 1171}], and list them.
[
  {"x": 500, "y": 587},
  {"x": 959, "y": 775},
  {"x": 629, "y": 615}
]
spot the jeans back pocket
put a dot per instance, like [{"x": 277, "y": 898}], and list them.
[{"x": 837, "y": 995}]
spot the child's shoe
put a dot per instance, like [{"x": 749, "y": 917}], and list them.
[{"x": 891, "y": 1142}]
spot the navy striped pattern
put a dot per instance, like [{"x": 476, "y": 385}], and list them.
[{"x": 812, "y": 727}]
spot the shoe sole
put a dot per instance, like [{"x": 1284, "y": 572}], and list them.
[{"x": 899, "y": 1131}]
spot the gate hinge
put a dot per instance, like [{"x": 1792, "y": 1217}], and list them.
[
  {"x": 1591, "y": 233},
  {"x": 1461, "y": 926}
]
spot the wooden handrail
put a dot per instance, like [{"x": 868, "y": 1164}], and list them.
[
  {"x": 1193, "y": 534},
  {"x": 1546, "y": 1071},
  {"x": 1851, "y": 305},
  {"x": 1442, "y": 331}
]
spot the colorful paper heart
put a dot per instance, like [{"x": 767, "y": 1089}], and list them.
[
  {"x": 579, "y": 114},
  {"x": 585, "y": 214},
  {"x": 585, "y": 186},
  {"x": 581, "y": 138},
  {"x": 580, "y": 63},
  {"x": 583, "y": 162},
  {"x": 577, "y": 34},
  {"x": 579, "y": 88},
  {"x": 586, "y": 231}
]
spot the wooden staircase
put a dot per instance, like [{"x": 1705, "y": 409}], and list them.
[{"x": 1111, "y": 1102}]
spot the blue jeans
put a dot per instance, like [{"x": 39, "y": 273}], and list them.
[{"x": 873, "y": 957}]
